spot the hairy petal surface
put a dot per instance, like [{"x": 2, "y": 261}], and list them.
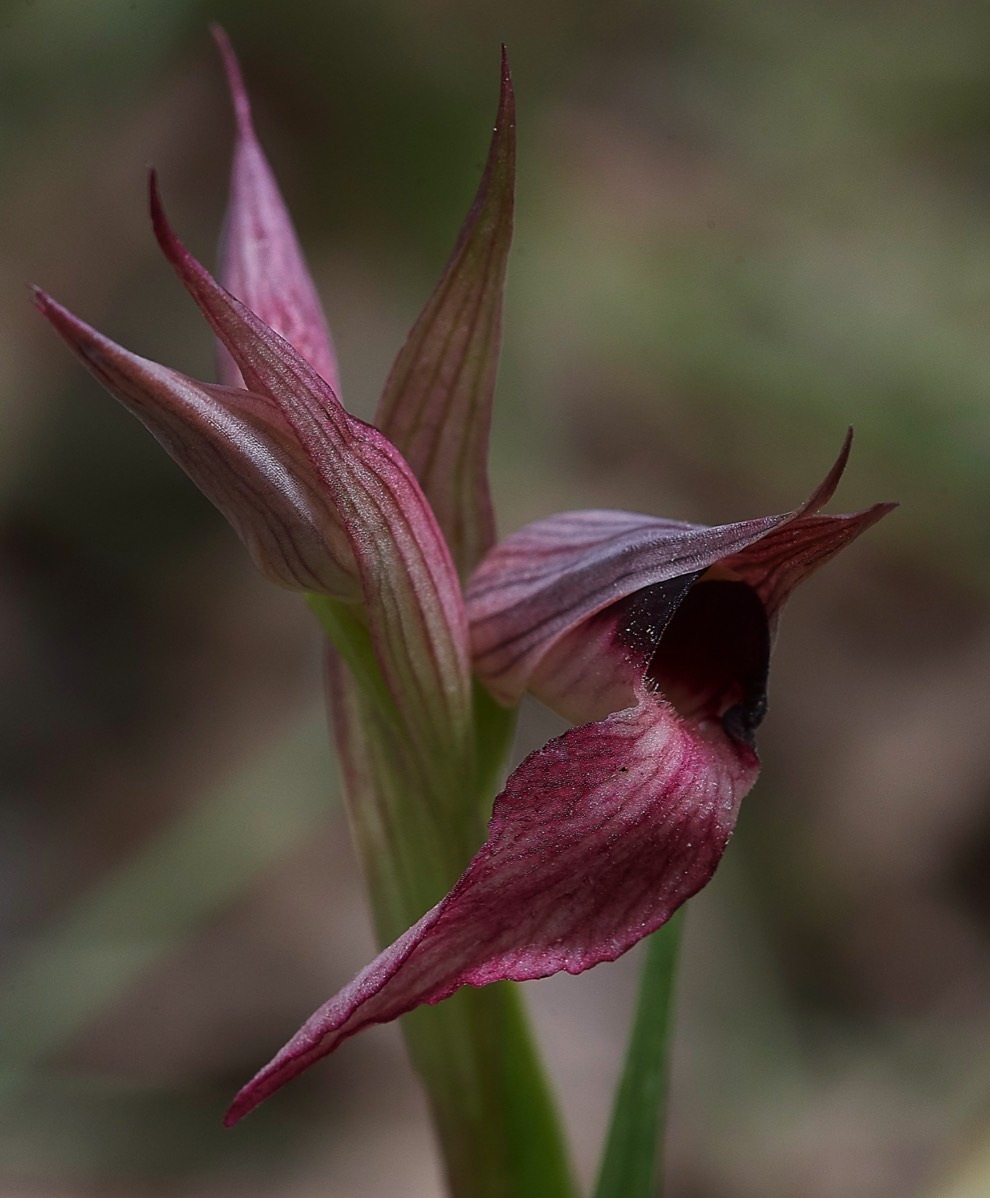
[
  {"x": 596, "y": 840},
  {"x": 260, "y": 259},
  {"x": 598, "y": 667},
  {"x": 437, "y": 402},
  {"x": 238, "y": 449},
  {"x": 411, "y": 592}
]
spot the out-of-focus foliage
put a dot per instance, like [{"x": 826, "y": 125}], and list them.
[{"x": 740, "y": 228}]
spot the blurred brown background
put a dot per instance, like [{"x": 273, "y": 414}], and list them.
[{"x": 741, "y": 227}]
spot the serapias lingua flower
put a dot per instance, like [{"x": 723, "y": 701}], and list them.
[
  {"x": 654, "y": 637},
  {"x": 651, "y": 636}
]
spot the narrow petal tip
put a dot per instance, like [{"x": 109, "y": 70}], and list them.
[
  {"x": 165, "y": 235},
  {"x": 265, "y": 1083},
  {"x": 61, "y": 319},
  {"x": 507, "y": 102},
  {"x": 261, "y": 262},
  {"x": 827, "y": 487},
  {"x": 234, "y": 1113},
  {"x": 50, "y": 308},
  {"x": 235, "y": 79},
  {"x": 436, "y": 407},
  {"x": 71, "y": 329},
  {"x": 183, "y": 262},
  {"x": 262, "y": 1086}
]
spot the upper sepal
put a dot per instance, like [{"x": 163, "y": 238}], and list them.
[
  {"x": 412, "y": 596},
  {"x": 260, "y": 258},
  {"x": 437, "y": 402}
]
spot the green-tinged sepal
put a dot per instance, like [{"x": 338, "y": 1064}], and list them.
[{"x": 437, "y": 402}]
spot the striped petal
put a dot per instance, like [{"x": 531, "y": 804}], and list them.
[
  {"x": 239, "y": 450},
  {"x": 596, "y": 840},
  {"x": 599, "y": 836},
  {"x": 437, "y": 402},
  {"x": 775, "y": 564},
  {"x": 260, "y": 259},
  {"x": 551, "y": 576},
  {"x": 411, "y": 592}
]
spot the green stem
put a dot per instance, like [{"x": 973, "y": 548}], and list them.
[
  {"x": 633, "y": 1157},
  {"x": 415, "y": 831},
  {"x": 493, "y": 1112}
]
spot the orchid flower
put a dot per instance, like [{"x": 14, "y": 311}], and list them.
[
  {"x": 651, "y": 636},
  {"x": 654, "y": 637}
]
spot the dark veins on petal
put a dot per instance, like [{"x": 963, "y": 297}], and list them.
[{"x": 705, "y": 645}]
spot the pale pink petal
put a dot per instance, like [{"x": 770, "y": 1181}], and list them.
[
  {"x": 411, "y": 592},
  {"x": 239, "y": 450},
  {"x": 596, "y": 840},
  {"x": 260, "y": 259},
  {"x": 438, "y": 399}
]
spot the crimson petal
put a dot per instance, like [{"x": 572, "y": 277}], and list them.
[{"x": 596, "y": 840}]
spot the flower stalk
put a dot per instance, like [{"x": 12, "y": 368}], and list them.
[{"x": 493, "y": 1111}]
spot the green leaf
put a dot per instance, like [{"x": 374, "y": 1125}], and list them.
[{"x": 631, "y": 1161}]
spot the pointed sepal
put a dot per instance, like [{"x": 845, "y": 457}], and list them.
[
  {"x": 437, "y": 402},
  {"x": 260, "y": 259},
  {"x": 412, "y": 596},
  {"x": 240, "y": 451},
  {"x": 550, "y": 577}
]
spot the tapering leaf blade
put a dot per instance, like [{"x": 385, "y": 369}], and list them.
[{"x": 631, "y": 1160}]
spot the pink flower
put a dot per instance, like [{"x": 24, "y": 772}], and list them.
[
  {"x": 658, "y": 635},
  {"x": 651, "y": 636}
]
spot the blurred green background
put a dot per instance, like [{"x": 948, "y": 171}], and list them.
[{"x": 741, "y": 227}]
